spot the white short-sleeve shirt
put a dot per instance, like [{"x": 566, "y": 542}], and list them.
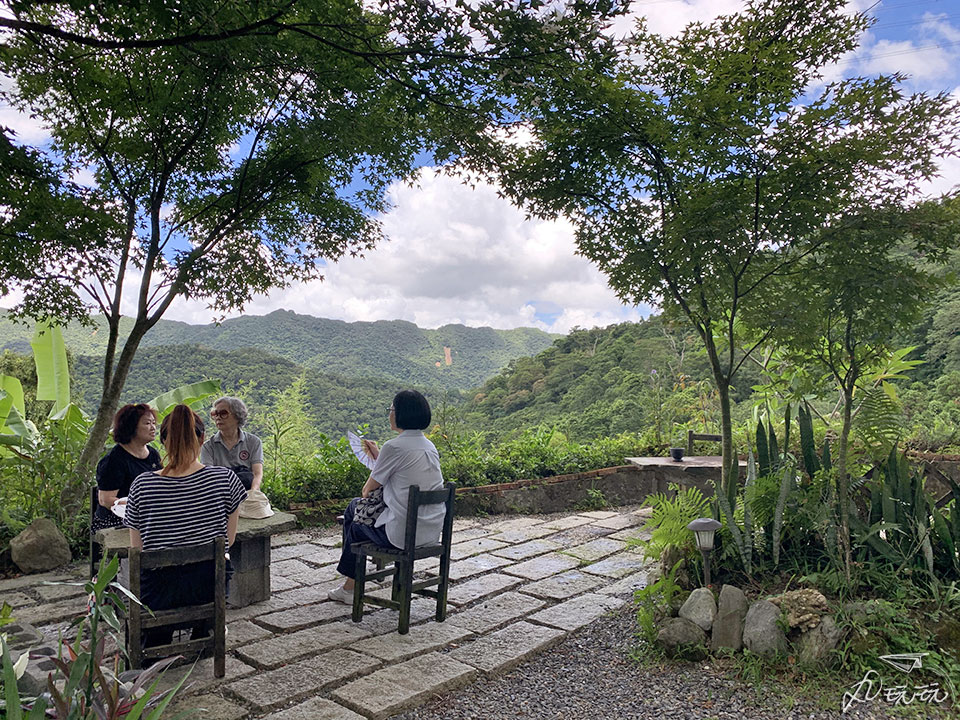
[{"x": 406, "y": 460}]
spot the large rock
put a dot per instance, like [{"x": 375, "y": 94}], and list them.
[
  {"x": 728, "y": 625},
  {"x": 803, "y": 607},
  {"x": 40, "y": 547},
  {"x": 700, "y": 609},
  {"x": 813, "y": 646},
  {"x": 762, "y": 633},
  {"x": 681, "y": 638}
]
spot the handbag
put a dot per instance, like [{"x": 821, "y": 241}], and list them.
[{"x": 368, "y": 509}]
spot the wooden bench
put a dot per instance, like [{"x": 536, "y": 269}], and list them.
[{"x": 249, "y": 555}]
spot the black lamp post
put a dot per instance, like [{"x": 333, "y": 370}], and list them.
[{"x": 704, "y": 530}]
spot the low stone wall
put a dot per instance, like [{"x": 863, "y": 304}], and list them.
[{"x": 623, "y": 485}]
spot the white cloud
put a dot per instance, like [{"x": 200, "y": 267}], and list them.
[
  {"x": 28, "y": 129},
  {"x": 456, "y": 255}
]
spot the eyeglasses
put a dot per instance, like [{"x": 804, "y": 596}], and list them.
[
  {"x": 219, "y": 413},
  {"x": 390, "y": 410}
]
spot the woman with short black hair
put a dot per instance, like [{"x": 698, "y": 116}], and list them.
[
  {"x": 407, "y": 460},
  {"x": 134, "y": 428}
]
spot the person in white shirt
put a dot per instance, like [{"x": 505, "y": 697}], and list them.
[{"x": 406, "y": 460}]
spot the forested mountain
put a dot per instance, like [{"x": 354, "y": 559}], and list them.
[{"x": 389, "y": 350}]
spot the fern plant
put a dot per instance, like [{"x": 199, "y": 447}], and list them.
[
  {"x": 879, "y": 419},
  {"x": 670, "y": 517}
]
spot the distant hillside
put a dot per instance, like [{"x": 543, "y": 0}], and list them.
[
  {"x": 333, "y": 403},
  {"x": 593, "y": 383},
  {"x": 389, "y": 350}
]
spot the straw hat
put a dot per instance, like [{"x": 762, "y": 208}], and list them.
[{"x": 256, "y": 506}]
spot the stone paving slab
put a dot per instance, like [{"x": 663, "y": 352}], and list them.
[
  {"x": 380, "y": 621},
  {"x": 52, "y": 593},
  {"x": 48, "y": 613},
  {"x": 543, "y": 566},
  {"x": 298, "y": 680},
  {"x": 17, "y": 583},
  {"x": 392, "y": 689},
  {"x": 288, "y": 567},
  {"x": 206, "y": 707},
  {"x": 291, "y": 538},
  {"x": 562, "y": 586},
  {"x": 519, "y": 535},
  {"x": 618, "y": 522},
  {"x": 631, "y": 533},
  {"x": 294, "y": 550},
  {"x": 496, "y": 611},
  {"x": 242, "y": 632},
  {"x": 307, "y": 594},
  {"x": 322, "y": 556},
  {"x": 504, "y": 649},
  {"x": 595, "y": 549},
  {"x": 514, "y": 523},
  {"x": 316, "y": 708},
  {"x": 330, "y": 541},
  {"x": 466, "y": 592},
  {"x": 570, "y": 521},
  {"x": 279, "y": 583},
  {"x": 423, "y": 638},
  {"x": 282, "y": 649},
  {"x": 276, "y": 602},
  {"x": 574, "y": 614},
  {"x": 303, "y": 616},
  {"x": 527, "y": 550},
  {"x": 474, "y": 566},
  {"x": 201, "y": 676},
  {"x": 618, "y": 566},
  {"x": 462, "y": 550},
  {"x": 599, "y": 514},
  {"x": 627, "y": 586},
  {"x": 16, "y": 599},
  {"x": 327, "y": 575},
  {"x": 471, "y": 533},
  {"x": 464, "y": 523}
]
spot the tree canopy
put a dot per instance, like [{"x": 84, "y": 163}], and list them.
[
  {"x": 219, "y": 164},
  {"x": 699, "y": 169}
]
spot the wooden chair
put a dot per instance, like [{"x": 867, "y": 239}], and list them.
[
  {"x": 691, "y": 436},
  {"x": 139, "y": 619},
  {"x": 403, "y": 561}
]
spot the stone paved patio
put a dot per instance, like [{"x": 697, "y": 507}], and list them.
[{"x": 518, "y": 585}]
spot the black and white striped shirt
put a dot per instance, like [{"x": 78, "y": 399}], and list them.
[{"x": 178, "y": 511}]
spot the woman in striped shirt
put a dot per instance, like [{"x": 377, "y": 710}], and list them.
[{"x": 185, "y": 503}]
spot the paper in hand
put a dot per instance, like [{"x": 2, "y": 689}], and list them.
[{"x": 356, "y": 444}]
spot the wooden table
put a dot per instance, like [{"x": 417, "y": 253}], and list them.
[
  {"x": 701, "y": 471},
  {"x": 249, "y": 554}
]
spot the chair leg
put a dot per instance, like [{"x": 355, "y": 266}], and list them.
[
  {"x": 358, "y": 587},
  {"x": 406, "y": 593},
  {"x": 442, "y": 587}
]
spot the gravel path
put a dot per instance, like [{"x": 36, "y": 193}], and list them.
[{"x": 590, "y": 676}]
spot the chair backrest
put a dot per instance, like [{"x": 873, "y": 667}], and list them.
[
  {"x": 417, "y": 499},
  {"x": 691, "y": 436},
  {"x": 215, "y": 611}
]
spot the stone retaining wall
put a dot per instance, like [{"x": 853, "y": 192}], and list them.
[{"x": 623, "y": 485}]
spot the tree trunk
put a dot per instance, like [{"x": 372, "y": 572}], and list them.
[
  {"x": 109, "y": 402},
  {"x": 843, "y": 482}
]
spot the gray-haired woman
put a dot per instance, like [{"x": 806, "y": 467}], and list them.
[{"x": 230, "y": 446}]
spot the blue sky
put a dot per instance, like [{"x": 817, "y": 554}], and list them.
[{"x": 461, "y": 255}]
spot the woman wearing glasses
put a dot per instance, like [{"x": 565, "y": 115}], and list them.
[
  {"x": 231, "y": 446},
  {"x": 406, "y": 460}
]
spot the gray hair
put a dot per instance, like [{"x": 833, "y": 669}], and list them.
[{"x": 237, "y": 408}]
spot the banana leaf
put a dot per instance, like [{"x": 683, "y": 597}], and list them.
[
  {"x": 50, "y": 357},
  {"x": 11, "y": 396},
  {"x": 184, "y": 395}
]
